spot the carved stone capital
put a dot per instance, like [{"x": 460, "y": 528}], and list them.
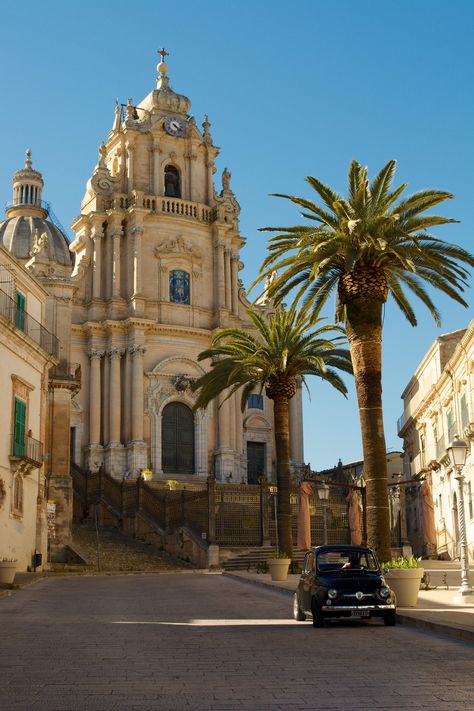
[
  {"x": 136, "y": 350},
  {"x": 96, "y": 353},
  {"x": 115, "y": 352}
]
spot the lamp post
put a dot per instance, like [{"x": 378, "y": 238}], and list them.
[
  {"x": 457, "y": 452},
  {"x": 274, "y": 493},
  {"x": 323, "y": 495}
]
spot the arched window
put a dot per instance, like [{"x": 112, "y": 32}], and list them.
[
  {"x": 179, "y": 287},
  {"x": 177, "y": 439},
  {"x": 172, "y": 182}
]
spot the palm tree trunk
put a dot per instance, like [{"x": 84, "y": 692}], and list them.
[
  {"x": 282, "y": 444},
  {"x": 364, "y": 332}
]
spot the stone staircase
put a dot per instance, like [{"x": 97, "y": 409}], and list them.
[
  {"x": 121, "y": 553},
  {"x": 255, "y": 558}
]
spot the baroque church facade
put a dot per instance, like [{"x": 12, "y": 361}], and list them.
[{"x": 151, "y": 274}]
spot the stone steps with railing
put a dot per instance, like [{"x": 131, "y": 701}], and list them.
[{"x": 118, "y": 552}]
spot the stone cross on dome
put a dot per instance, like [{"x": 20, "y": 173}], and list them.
[{"x": 163, "y": 53}]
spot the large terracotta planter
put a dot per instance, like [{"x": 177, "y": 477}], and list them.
[
  {"x": 278, "y": 568},
  {"x": 405, "y": 582},
  {"x": 7, "y": 572}
]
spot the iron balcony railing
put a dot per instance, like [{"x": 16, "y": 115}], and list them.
[
  {"x": 27, "y": 448},
  {"x": 10, "y": 310}
]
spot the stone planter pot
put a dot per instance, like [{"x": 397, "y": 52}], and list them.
[
  {"x": 7, "y": 572},
  {"x": 278, "y": 568},
  {"x": 405, "y": 582}
]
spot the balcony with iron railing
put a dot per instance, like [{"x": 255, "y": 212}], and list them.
[
  {"x": 27, "y": 449},
  {"x": 10, "y": 310}
]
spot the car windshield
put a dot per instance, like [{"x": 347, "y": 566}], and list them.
[{"x": 346, "y": 559}]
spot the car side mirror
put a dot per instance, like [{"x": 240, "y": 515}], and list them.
[{"x": 385, "y": 570}]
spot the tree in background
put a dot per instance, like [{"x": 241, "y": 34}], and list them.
[
  {"x": 286, "y": 345},
  {"x": 364, "y": 248}
]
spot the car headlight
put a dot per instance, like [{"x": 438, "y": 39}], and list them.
[
  {"x": 384, "y": 592},
  {"x": 332, "y": 594}
]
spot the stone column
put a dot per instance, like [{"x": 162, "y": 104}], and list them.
[
  {"x": 129, "y": 148},
  {"x": 114, "y": 396},
  {"x": 94, "y": 397},
  {"x": 293, "y": 423},
  {"x": 210, "y": 183},
  {"x": 105, "y": 409},
  {"x": 127, "y": 435},
  {"x": 228, "y": 284},
  {"x": 137, "y": 352},
  {"x": 137, "y": 260},
  {"x": 157, "y": 184},
  {"x": 235, "y": 284},
  {"x": 116, "y": 237},
  {"x": 97, "y": 235},
  {"x": 223, "y": 419},
  {"x": 219, "y": 266}
]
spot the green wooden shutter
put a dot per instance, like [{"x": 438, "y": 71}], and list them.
[
  {"x": 20, "y": 310},
  {"x": 19, "y": 428}
]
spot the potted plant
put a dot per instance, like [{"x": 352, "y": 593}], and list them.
[
  {"x": 7, "y": 570},
  {"x": 147, "y": 474},
  {"x": 278, "y": 565},
  {"x": 404, "y": 577}
]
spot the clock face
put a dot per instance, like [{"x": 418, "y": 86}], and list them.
[{"x": 174, "y": 126}]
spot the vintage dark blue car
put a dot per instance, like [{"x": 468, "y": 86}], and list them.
[{"x": 343, "y": 581}]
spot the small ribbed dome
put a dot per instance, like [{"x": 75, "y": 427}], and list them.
[
  {"x": 22, "y": 232},
  {"x": 18, "y": 235}
]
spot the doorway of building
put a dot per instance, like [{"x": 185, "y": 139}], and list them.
[
  {"x": 177, "y": 439},
  {"x": 255, "y": 461}
]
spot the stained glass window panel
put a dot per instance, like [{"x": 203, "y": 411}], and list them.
[{"x": 179, "y": 287}]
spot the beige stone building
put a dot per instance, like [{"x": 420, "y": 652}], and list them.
[
  {"x": 152, "y": 272},
  {"x": 438, "y": 406},
  {"x": 27, "y": 352}
]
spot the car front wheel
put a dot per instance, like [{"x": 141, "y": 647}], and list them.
[
  {"x": 389, "y": 619},
  {"x": 298, "y": 615},
  {"x": 318, "y": 619}
]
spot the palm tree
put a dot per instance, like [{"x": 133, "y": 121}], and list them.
[
  {"x": 366, "y": 247},
  {"x": 287, "y": 345}
]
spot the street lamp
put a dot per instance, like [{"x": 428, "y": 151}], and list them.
[
  {"x": 274, "y": 492},
  {"x": 457, "y": 452},
  {"x": 323, "y": 495}
]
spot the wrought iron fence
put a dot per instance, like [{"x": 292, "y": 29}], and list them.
[{"x": 226, "y": 514}]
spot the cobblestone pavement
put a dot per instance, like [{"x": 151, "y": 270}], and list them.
[
  {"x": 203, "y": 641},
  {"x": 122, "y": 553}
]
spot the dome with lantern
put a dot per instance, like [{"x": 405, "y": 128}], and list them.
[{"x": 30, "y": 226}]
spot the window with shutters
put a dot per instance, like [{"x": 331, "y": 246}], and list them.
[
  {"x": 19, "y": 428},
  {"x": 20, "y": 310}
]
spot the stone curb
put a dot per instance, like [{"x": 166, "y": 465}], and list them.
[{"x": 453, "y": 631}]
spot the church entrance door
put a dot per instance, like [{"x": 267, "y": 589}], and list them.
[
  {"x": 255, "y": 461},
  {"x": 177, "y": 439}
]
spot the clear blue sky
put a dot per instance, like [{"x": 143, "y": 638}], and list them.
[{"x": 290, "y": 91}]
